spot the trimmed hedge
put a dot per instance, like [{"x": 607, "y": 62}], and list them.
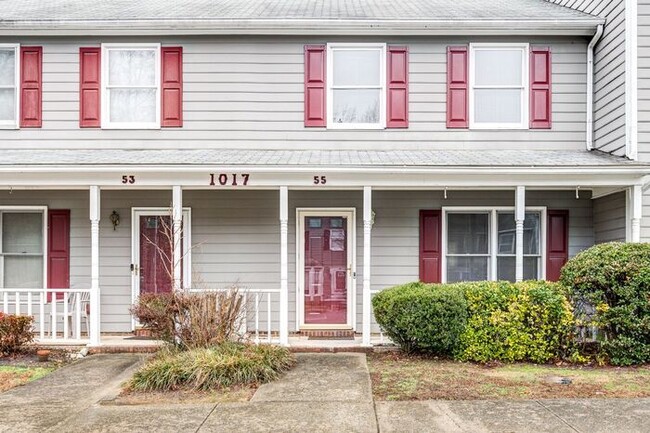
[
  {"x": 422, "y": 318},
  {"x": 614, "y": 278},
  {"x": 15, "y": 332},
  {"x": 479, "y": 321}
]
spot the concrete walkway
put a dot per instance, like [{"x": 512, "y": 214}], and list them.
[{"x": 324, "y": 393}]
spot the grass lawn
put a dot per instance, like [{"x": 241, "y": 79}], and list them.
[
  {"x": 399, "y": 377},
  {"x": 12, "y": 376}
]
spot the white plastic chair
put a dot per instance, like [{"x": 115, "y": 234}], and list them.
[{"x": 60, "y": 314}]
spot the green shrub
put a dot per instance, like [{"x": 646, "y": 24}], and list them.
[
  {"x": 15, "y": 332},
  {"x": 527, "y": 321},
  {"x": 614, "y": 278},
  {"x": 224, "y": 365},
  {"x": 422, "y": 318}
]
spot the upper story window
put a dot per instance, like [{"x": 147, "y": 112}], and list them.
[
  {"x": 9, "y": 79},
  {"x": 356, "y": 90},
  {"x": 131, "y": 86},
  {"x": 498, "y": 79}
]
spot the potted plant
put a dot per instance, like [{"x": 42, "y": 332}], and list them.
[{"x": 43, "y": 355}]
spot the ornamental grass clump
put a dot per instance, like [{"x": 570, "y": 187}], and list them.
[
  {"x": 613, "y": 279},
  {"x": 212, "y": 368}
]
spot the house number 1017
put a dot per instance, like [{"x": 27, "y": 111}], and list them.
[{"x": 224, "y": 179}]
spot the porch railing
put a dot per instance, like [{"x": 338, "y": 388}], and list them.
[
  {"x": 261, "y": 313},
  {"x": 51, "y": 308}
]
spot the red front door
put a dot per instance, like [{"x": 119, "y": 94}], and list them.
[
  {"x": 326, "y": 269},
  {"x": 155, "y": 254}
]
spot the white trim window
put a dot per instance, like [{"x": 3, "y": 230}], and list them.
[
  {"x": 9, "y": 85},
  {"x": 498, "y": 79},
  {"x": 479, "y": 244},
  {"x": 131, "y": 86},
  {"x": 356, "y": 86},
  {"x": 23, "y": 247}
]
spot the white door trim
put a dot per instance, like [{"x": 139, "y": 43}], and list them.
[
  {"x": 350, "y": 214},
  {"x": 136, "y": 213}
]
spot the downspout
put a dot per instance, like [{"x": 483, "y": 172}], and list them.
[{"x": 590, "y": 86}]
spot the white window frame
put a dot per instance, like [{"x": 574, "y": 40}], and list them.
[
  {"x": 13, "y": 124},
  {"x": 106, "y": 122},
  {"x": 339, "y": 46},
  {"x": 493, "y": 228},
  {"x": 525, "y": 87},
  {"x": 25, "y": 209}
]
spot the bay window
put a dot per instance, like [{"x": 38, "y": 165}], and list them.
[
  {"x": 480, "y": 244},
  {"x": 9, "y": 86},
  {"x": 22, "y": 248},
  {"x": 498, "y": 86},
  {"x": 131, "y": 86},
  {"x": 356, "y": 91}
]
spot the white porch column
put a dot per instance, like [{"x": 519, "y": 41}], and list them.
[
  {"x": 177, "y": 233},
  {"x": 95, "y": 312},
  {"x": 367, "y": 231},
  {"x": 284, "y": 266},
  {"x": 520, "y": 216},
  {"x": 635, "y": 211}
]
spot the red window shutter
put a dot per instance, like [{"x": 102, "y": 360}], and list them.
[
  {"x": 557, "y": 243},
  {"x": 31, "y": 87},
  {"x": 540, "y": 88},
  {"x": 90, "y": 87},
  {"x": 457, "y": 87},
  {"x": 172, "y": 86},
  {"x": 58, "y": 250},
  {"x": 430, "y": 245},
  {"x": 315, "y": 89},
  {"x": 397, "y": 100}
]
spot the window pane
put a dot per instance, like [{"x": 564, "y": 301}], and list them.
[
  {"x": 356, "y": 106},
  {"x": 467, "y": 269},
  {"x": 531, "y": 233},
  {"x": 506, "y": 268},
  {"x": 356, "y": 67},
  {"x": 7, "y": 67},
  {"x": 498, "y": 67},
  {"x": 132, "y": 67},
  {"x": 22, "y": 233},
  {"x": 7, "y": 104},
  {"x": 133, "y": 105},
  {"x": 507, "y": 238},
  {"x": 497, "y": 105},
  {"x": 23, "y": 272},
  {"x": 467, "y": 233}
]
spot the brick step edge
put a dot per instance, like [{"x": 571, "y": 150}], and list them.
[{"x": 327, "y": 333}]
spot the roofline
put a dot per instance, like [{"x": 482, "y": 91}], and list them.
[{"x": 586, "y": 27}]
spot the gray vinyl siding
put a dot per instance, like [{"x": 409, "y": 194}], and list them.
[
  {"x": 644, "y": 103},
  {"x": 236, "y": 236},
  {"x": 609, "y": 218},
  {"x": 609, "y": 73},
  {"x": 248, "y": 93}
]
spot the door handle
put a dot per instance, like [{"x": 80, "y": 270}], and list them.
[{"x": 134, "y": 269}]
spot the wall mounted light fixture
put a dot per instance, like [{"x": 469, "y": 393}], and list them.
[{"x": 115, "y": 219}]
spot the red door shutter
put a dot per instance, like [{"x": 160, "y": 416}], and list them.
[
  {"x": 430, "y": 245},
  {"x": 540, "y": 88},
  {"x": 557, "y": 244},
  {"x": 58, "y": 250},
  {"x": 457, "y": 87},
  {"x": 31, "y": 79},
  {"x": 89, "y": 87},
  {"x": 397, "y": 102},
  {"x": 315, "y": 85},
  {"x": 172, "y": 86}
]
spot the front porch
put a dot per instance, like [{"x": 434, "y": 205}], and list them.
[{"x": 308, "y": 251}]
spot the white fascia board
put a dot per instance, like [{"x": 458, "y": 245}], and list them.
[{"x": 300, "y": 27}]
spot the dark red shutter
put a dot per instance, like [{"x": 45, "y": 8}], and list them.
[
  {"x": 31, "y": 87},
  {"x": 58, "y": 250},
  {"x": 430, "y": 245},
  {"x": 90, "y": 87},
  {"x": 557, "y": 244},
  {"x": 397, "y": 103},
  {"x": 172, "y": 86},
  {"x": 315, "y": 89},
  {"x": 457, "y": 87},
  {"x": 540, "y": 88}
]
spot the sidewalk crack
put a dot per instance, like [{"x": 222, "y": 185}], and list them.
[
  {"x": 558, "y": 417},
  {"x": 206, "y": 418}
]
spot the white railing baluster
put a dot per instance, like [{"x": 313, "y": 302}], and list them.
[
  {"x": 66, "y": 326},
  {"x": 268, "y": 317},
  {"x": 77, "y": 316},
  {"x": 17, "y": 303},
  {"x": 41, "y": 313},
  {"x": 5, "y": 302},
  {"x": 53, "y": 315},
  {"x": 29, "y": 304},
  {"x": 257, "y": 318}
]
